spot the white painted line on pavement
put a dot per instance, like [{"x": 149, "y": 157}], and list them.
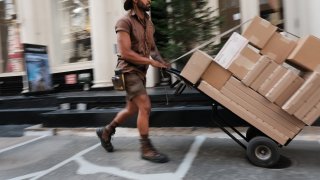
[
  {"x": 39, "y": 174},
  {"x": 86, "y": 167},
  {"x": 21, "y": 144},
  {"x": 89, "y": 168},
  {"x": 28, "y": 176},
  {"x": 66, "y": 161},
  {"x": 189, "y": 158}
]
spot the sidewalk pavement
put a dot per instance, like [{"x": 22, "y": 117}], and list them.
[
  {"x": 195, "y": 153},
  {"x": 309, "y": 133},
  {"x": 12, "y": 130}
]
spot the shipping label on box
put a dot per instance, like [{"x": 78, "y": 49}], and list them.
[
  {"x": 259, "y": 32},
  {"x": 278, "y": 48},
  {"x": 284, "y": 88},
  {"x": 302, "y": 94},
  {"x": 262, "y": 63},
  {"x": 232, "y": 47},
  {"x": 306, "y": 54},
  {"x": 244, "y": 62},
  {"x": 196, "y": 65},
  {"x": 250, "y": 117},
  {"x": 216, "y": 75},
  {"x": 272, "y": 80}
]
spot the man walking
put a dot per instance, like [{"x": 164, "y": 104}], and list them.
[{"x": 136, "y": 44}]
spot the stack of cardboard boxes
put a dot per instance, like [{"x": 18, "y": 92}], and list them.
[{"x": 266, "y": 78}]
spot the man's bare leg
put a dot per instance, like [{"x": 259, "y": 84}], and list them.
[
  {"x": 148, "y": 152},
  {"x": 125, "y": 113},
  {"x": 105, "y": 133}
]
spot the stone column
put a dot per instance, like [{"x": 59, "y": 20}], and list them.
[
  {"x": 301, "y": 17},
  {"x": 103, "y": 15},
  {"x": 34, "y": 16},
  {"x": 248, "y": 10},
  {"x": 293, "y": 17},
  {"x": 314, "y": 12}
]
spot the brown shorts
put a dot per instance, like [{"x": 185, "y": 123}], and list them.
[{"x": 134, "y": 85}]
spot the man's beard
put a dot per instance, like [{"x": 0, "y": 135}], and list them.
[{"x": 142, "y": 6}]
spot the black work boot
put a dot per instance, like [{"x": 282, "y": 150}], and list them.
[
  {"x": 148, "y": 152},
  {"x": 104, "y": 135}
]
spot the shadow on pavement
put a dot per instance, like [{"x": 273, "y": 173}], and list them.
[{"x": 12, "y": 130}]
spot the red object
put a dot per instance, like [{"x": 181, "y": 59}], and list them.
[{"x": 71, "y": 79}]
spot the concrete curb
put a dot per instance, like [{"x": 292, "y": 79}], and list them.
[{"x": 310, "y": 133}]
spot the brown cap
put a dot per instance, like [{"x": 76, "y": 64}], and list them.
[{"x": 127, "y": 5}]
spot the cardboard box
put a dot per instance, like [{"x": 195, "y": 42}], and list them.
[
  {"x": 277, "y": 74},
  {"x": 216, "y": 75},
  {"x": 244, "y": 62},
  {"x": 231, "y": 48},
  {"x": 264, "y": 75},
  {"x": 313, "y": 115},
  {"x": 196, "y": 65},
  {"x": 284, "y": 88},
  {"x": 294, "y": 69},
  {"x": 257, "y": 69},
  {"x": 317, "y": 69},
  {"x": 308, "y": 105},
  {"x": 259, "y": 110},
  {"x": 299, "y": 97},
  {"x": 246, "y": 115},
  {"x": 292, "y": 88},
  {"x": 278, "y": 48},
  {"x": 306, "y": 74},
  {"x": 262, "y": 100},
  {"x": 259, "y": 32},
  {"x": 306, "y": 54}
]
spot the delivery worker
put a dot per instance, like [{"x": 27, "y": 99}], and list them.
[{"x": 135, "y": 46}]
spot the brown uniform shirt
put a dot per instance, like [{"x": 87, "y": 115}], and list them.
[{"x": 142, "y": 41}]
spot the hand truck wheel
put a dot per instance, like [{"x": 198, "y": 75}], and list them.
[{"x": 263, "y": 152}]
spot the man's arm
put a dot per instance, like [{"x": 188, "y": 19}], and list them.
[
  {"x": 155, "y": 54},
  {"x": 124, "y": 45}
]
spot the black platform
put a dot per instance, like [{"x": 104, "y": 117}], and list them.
[{"x": 190, "y": 109}]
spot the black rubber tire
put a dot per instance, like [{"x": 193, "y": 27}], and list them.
[
  {"x": 253, "y": 132},
  {"x": 263, "y": 152}
]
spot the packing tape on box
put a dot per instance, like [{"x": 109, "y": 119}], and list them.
[
  {"x": 265, "y": 23},
  {"x": 253, "y": 38},
  {"x": 245, "y": 62}
]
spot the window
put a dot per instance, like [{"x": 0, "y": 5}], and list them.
[
  {"x": 229, "y": 14},
  {"x": 10, "y": 47},
  {"x": 75, "y": 30},
  {"x": 272, "y": 11}
]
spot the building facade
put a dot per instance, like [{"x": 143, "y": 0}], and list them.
[{"x": 81, "y": 40}]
